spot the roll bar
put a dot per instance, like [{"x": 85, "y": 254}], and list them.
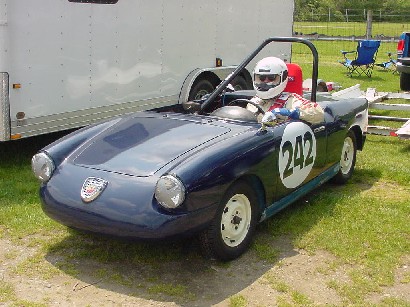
[{"x": 219, "y": 89}]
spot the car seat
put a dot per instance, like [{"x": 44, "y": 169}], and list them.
[{"x": 295, "y": 79}]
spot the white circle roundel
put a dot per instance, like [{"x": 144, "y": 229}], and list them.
[{"x": 297, "y": 154}]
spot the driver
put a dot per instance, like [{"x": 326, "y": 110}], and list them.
[{"x": 270, "y": 78}]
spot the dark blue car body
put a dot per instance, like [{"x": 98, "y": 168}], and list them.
[{"x": 208, "y": 153}]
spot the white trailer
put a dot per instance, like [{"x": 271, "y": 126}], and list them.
[{"x": 68, "y": 63}]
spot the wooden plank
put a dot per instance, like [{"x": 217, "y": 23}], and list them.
[
  {"x": 389, "y": 118},
  {"x": 398, "y": 95},
  {"x": 404, "y": 131},
  {"x": 390, "y": 106},
  {"x": 381, "y": 130}
]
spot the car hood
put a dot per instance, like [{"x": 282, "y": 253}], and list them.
[{"x": 142, "y": 144}]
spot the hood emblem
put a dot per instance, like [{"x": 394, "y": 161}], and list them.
[{"x": 92, "y": 188}]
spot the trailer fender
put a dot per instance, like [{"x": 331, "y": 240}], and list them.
[{"x": 202, "y": 81}]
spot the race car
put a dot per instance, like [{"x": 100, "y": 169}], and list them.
[{"x": 210, "y": 170}]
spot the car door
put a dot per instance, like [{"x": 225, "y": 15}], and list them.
[{"x": 301, "y": 155}]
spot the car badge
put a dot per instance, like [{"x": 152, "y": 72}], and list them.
[{"x": 92, "y": 188}]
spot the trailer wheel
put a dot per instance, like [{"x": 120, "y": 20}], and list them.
[
  {"x": 239, "y": 83},
  {"x": 404, "y": 81},
  {"x": 199, "y": 89}
]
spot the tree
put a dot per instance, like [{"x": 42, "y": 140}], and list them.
[{"x": 319, "y": 9}]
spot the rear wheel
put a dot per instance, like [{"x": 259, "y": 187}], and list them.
[
  {"x": 239, "y": 83},
  {"x": 199, "y": 89},
  {"x": 347, "y": 159},
  {"x": 404, "y": 81},
  {"x": 231, "y": 231}
]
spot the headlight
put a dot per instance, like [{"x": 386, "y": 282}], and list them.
[
  {"x": 170, "y": 192},
  {"x": 43, "y": 167}
]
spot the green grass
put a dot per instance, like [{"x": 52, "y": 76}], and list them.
[
  {"x": 7, "y": 292},
  {"x": 19, "y": 212},
  {"x": 331, "y": 70},
  {"x": 288, "y": 297},
  {"x": 238, "y": 301},
  {"x": 172, "y": 290},
  {"x": 350, "y": 28}
]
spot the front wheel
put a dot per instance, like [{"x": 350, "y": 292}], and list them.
[
  {"x": 231, "y": 231},
  {"x": 347, "y": 159}
]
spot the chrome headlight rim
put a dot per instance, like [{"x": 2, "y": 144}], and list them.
[
  {"x": 42, "y": 166},
  {"x": 170, "y": 191}
]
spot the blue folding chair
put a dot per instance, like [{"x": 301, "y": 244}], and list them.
[{"x": 365, "y": 57}]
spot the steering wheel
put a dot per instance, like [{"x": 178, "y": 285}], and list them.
[{"x": 242, "y": 103}]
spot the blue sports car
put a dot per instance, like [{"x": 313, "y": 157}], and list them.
[{"x": 210, "y": 170}]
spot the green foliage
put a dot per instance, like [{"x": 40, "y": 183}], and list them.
[
  {"x": 315, "y": 10},
  {"x": 351, "y": 29}
]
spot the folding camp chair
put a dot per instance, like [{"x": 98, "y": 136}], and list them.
[
  {"x": 390, "y": 64},
  {"x": 365, "y": 56}
]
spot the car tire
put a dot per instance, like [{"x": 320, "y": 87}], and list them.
[
  {"x": 404, "y": 81},
  {"x": 240, "y": 84},
  {"x": 199, "y": 89},
  {"x": 347, "y": 159},
  {"x": 232, "y": 229}
]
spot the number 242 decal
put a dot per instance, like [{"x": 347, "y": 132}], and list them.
[{"x": 297, "y": 154}]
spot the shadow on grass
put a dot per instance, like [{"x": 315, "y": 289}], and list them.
[
  {"x": 365, "y": 178},
  {"x": 405, "y": 149},
  {"x": 171, "y": 271},
  {"x": 363, "y": 77}
]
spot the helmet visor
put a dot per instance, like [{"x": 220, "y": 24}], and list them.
[{"x": 266, "y": 82}]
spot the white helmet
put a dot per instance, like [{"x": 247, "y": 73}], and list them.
[{"x": 270, "y": 77}]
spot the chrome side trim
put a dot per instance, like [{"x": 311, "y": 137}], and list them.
[{"x": 4, "y": 107}]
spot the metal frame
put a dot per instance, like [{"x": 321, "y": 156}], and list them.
[{"x": 315, "y": 63}]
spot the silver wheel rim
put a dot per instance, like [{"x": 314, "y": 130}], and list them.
[
  {"x": 236, "y": 220},
  {"x": 200, "y": 94},
  {"x": 346, "y": 159},
  {"x": 238, "y": 87}
]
